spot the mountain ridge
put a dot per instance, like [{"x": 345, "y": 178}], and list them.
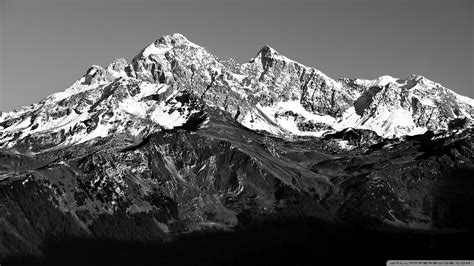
[{"x": 270, "y": 92}]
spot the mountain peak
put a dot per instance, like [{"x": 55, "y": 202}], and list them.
[
  {"x": 418, "y": 79},
  {"x": 267, "y": 49},
  {"x": 166, "y": 43},
  {"x": 268, "y": 52},
  {"x": 174, "y": 39}
]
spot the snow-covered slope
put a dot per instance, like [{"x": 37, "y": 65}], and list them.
[
  {"x": 169, "y": 81},
  {"x": 98, "y": 109},
  {"x": 396, "y": 107}
]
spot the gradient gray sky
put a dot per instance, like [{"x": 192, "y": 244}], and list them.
[{"x": 45, "y": 45}]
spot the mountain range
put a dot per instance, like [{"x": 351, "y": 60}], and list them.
[{"x": 179, "y": 141}]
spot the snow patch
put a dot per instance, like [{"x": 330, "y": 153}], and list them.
[
  {"x": 386, "y": 122},
  {"x": 158, "y": 50}
]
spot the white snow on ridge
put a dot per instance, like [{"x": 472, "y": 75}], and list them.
[
  {"x": 380, "y": 81},
  {"x": 101, "y": 131},
  {"x": 384, "y": 80},
  {"x": 153, "y": 49},
  {"x": 260, "y": 121},
  {"x": 161, "y": 49},
  {"x": 273, "y": 121},
  {"x": 74, "y": 89},
  {"x": 183, "y": 39},
  {"x": 20, "y": 125},
  {"x": 464, "y": 99},
  {"x": 289, "y": 123},
  {"x": 167, "y": 120},
  {"x": 57, "y": 124},
  {"x": 387, "y": 123},
  {"x": 296, "y": 107}
]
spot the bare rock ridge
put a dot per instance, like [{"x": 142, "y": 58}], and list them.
[{"x": 178, "y": 141}]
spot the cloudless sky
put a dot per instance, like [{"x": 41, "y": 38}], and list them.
[{"x": 45, "y": 45}]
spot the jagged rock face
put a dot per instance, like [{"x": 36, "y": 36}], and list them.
[
  {"x": 397, "y": 107},
  {"x": 178, "y": 140},
  {"x": 277, "y": 78},
  {"x": 174, "y": 59}
]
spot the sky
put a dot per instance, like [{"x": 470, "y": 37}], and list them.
[{"x": 45, "y": 45}]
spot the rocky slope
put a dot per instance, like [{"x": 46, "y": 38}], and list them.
[{"x": 179, "y": 141}]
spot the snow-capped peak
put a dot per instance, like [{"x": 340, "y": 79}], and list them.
[
  {"x": 175, "y": 39},
  {"x": 268, "y": 53},
  {"x": 386, "y": 79},
  {"x": 166, "y": 43}
]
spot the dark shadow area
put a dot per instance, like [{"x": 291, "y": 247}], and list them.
[
  {"x": 137, "y": 146},
  {"x": 194, "y": 122},
  {"x": 453, "y": 201},
  {"x": 278, "y": 242},
  {"x": 364, "y": 101}
]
